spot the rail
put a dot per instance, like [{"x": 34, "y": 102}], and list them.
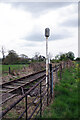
[{"x": 41, "y": 94}]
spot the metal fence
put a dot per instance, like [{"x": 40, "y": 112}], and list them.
[{"x": 40, "y": 95}]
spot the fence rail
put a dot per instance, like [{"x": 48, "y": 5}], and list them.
[{"x": 41, "y": 93}]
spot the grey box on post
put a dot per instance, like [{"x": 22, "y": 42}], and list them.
[{"x": 47, "y": 32}]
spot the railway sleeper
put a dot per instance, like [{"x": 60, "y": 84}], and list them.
[
  {"x": 20, "y": 90},
  {"x": 10, "y": 87},
  {"x": 17, "y": 84},
  {"x": 13, "y": 95}
]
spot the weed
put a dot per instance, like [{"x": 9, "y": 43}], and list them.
[{"x": 66, "y": 102}]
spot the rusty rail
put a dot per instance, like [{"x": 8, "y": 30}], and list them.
[
  {"x": 22, "y": 78},
  {"x": 44, "y": 96}
]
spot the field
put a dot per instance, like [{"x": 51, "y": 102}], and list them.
[
  {"x": 66, "y": 102},
  {"x": 5, "y": 68}
]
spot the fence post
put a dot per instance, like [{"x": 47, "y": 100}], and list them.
[
  {"x": 60, "y": 71},
  {"x": 67, "y": 64},
  {"x": 9, "y": 70},
  {"x": 52, "y": 83},
  {"x": 26, "y": 107},
  {"x": 70, "y": 63},
  {"x": 56, "y": 73},
  {"x": 40, "y": 100},
  {"x": 64, "y": 64},
  {"x": 49, "y": 74},
  {"x": 51, "y": 80}
]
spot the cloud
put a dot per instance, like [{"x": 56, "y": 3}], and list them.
[
  {"x": 70, "y": 23},
  {"x": 60, "y": 36},
  {"x": 22, "y": 26},
  {"x": 34, "y": 37},
  {"x": 40, "y": 37},
  {"x": 13, "y": 24},
  {"x": 38, "y": 8}
]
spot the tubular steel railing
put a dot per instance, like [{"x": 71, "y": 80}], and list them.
[{"x": 41, "y": 95}]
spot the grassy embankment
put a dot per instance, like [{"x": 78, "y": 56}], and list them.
[
  {"x": 66, "y": 102},
  {"x": 5, "y": 68}
]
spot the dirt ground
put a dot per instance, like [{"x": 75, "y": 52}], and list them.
[
  {"x": 32, "y": 68},
  {"x": 21, "y": 106}
]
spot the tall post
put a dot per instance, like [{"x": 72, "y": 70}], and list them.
[
  {"x": 49, "y": 68},
  {"x": 47, "y": 33},
  {"x": 46, "y": 60}
]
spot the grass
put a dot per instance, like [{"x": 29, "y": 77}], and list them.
[
  {"x": 0, "y": 68},
  {"x": 66, "y": 102},
  {"x": 15, "y": 112},
  {"x": 5, "y": 68}
]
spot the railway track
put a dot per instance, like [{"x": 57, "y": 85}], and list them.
[{"x": 19, "y": 86}]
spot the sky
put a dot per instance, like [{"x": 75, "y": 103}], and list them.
[{"x": 22, "y": 27}]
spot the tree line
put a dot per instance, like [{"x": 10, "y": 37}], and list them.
[{"x": 14, "y": 58}]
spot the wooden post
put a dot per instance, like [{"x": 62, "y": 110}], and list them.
[
  {"x": 60, "y": 71},
  {"x": 40, "y": 100},
  {"x": 51, "y": 80},
  {"x": 26, "y": 107},
  {"x": 9, "y": 70}
]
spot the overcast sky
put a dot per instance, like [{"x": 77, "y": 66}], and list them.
[{"x": 22, "y": 27}]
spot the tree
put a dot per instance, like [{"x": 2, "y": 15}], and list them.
[
  {"x": 66, "y": 56},
  {"x": 23, "y": 59},
  {"x": 41, "y": 58},
  {"x": 57, "y": 57},
  {"x": 23, "y": 56},
  {"x": 3, "y": 53},
  {"x": 38, "y": 57},
  {"x": 63, "y": 57},
  {"x": 70, "y": 55},
  {"x": 11, "y": 58},
  {"x": 37, "y": 54},
  {"x": 78, "y": 59}
]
